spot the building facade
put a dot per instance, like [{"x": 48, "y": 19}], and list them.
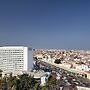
[{"x": 14, "y": 58}]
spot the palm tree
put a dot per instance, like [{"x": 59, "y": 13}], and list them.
[
  {"x": 1, "y": 82},
  {"x": 51, "y": 82},
  {"x": 18, "y": 87},
  {"x": 1, "y": 74},
  {"x": 44, "y": 88},
  {"x": 24, "y": 82},
  {"x": 36, "y": 87},
  {"x": 11, "y": 82},
  {"x": 5, "y": 84}
]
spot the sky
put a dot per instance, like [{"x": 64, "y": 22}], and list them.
[{"x": 57, "y": 24}]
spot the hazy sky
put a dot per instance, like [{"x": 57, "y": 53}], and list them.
[{"x": 45, "y": 23}]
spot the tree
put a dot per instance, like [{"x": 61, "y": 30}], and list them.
[
  {"x": 44, "y": 88},
  {"x": 36, "y": 87},
  {"x": 1, "y": 74},
  {"x": 57, "y": 61},
  {"x": 11, "y": 82},
  {"x": 1, "y": 82},
  {"x": 5, "y": 86},
  {"x": 24, "y": 82},
  {"x": 52, "y": 82}
]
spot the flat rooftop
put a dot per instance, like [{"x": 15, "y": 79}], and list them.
[{"x": 37, "y": 74}]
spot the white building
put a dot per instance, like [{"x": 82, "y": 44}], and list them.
[
  {"x": 14, "y": 58},
  {"x": 40, "y": 75},
  {"x": 83, "y": 67}
]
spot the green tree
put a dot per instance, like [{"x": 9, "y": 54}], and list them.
[
  {"x": 36, "y": 87},
  {"x": 57, "y": 61},
  {"x": 45, "y": 87},
  {"x": 24, "y": 82},
  {"x": 1, "y": 82},
  {"x": 1, "y": 74},
  {"x": 52, "y": 83},
  {"x": 5, "y": 84},
  {"x": 11, "y": 82}
]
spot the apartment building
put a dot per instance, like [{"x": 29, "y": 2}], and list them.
[{"x": 14, "y": 58}]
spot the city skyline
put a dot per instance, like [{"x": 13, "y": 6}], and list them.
[{"x": 45, "y": 24}]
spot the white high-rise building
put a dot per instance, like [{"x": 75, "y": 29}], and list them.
[{"x": 14, "y": 58}]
